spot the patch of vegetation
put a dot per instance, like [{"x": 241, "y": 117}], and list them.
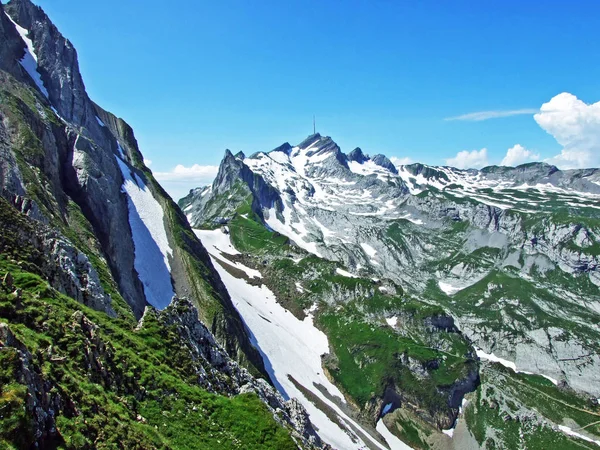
[
  {"x": 248, "y": 234},
  {"x": 371, "y": 357},
  {"x": 496, "y": 415},
  {"x": 145, "y": 396}
]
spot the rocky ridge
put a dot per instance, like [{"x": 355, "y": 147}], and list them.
[{"x": 511, "y": 254}]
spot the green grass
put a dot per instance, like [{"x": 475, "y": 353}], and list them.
[
  {"x": 248, "y": 234},
  {"x": 149, "y": 372},
  {"x": 372, "y": 357}
]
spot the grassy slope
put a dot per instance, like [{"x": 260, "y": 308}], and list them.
[
  {"x": 177, "y": 412},
  {"x": 149, "y": 373}
]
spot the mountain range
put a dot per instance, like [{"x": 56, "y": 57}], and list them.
[
  {"x": 434, "y": 286},
  {"x": 308, "y": 298}
]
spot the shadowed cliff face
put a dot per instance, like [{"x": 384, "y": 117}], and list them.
[{"x": 60, "y": 152}]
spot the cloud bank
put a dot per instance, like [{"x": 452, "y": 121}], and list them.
[
  {"x": 475, "y": 159},
  {"x": 181, "y": 179},
  {"x": 576, "y": 126},
  {"x": 517, "y": 155}
]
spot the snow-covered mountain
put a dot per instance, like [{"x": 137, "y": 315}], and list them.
[{"x": 498, "y": 264}]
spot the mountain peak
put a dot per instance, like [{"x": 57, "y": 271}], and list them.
[
  {"x": 383, "y": 161},
  {"x": 310, "y": 140},
  {"x": 357, "y": 155},
  {"x": 284, "y": 148}
]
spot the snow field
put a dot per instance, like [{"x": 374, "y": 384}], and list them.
[{"x": 152, "y": 249}]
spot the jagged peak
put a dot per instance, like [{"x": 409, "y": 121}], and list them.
[
  {"x": 230, "y": 159},
  {"x": 357, "y": 155},
  {"x": 240, "y": 155},
  {"x": 383, "y": 161},
  {"x": 310, "y": 140},
  {"x": 284, "y": 148}
]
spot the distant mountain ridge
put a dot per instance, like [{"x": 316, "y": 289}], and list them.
[{"x": 510, "y": 255}]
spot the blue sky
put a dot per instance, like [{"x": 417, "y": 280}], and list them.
[{"x": 195, "y": 77}]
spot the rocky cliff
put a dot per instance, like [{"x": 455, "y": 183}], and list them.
[
  {"x": 90, "y": 241},
  {"x": 62, "y": 152}
]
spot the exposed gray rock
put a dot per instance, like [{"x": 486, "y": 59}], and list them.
[
  {"x": 216, "y": 363},
  {"x": 69, "y": 271},
  {"x": 422, "y": 226}
]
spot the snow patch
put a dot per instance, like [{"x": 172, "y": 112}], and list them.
[
  {"x": 100, "y": 122},
  {"x": 448, "y": 288},
  {"x": 392, "y": 321},
  {"x": 345, "y": 273},
  {"x": 218, "y": 244},
  {"x": 290, "y": 347},
  {"x": 152, "y": 249},
  {"x": 369, "y": 250},
  {"x": 511, "y": 365},
  {"x": 296, "y": 232},
  {"x": 493, "y": 358},
  {"x": 570, "y": 432},
  {"x": 30, "y": 60},
  {"x": 120, "y": 150}
]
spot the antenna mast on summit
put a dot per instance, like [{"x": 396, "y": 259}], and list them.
[{"x": 314, "y": 126}]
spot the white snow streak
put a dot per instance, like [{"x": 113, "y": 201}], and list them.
[
  {"x": 30, "y": 60},
  {"x": 345, "y": 273},
  {"x": 511, "y": 365},
  {"x": 491, "y": 357},
  {"x": 217, "y": 244},
  {"x": 152, "y": 250},
  {"x": 570, "y": 432}
]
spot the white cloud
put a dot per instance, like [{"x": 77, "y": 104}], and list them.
[
  {"x": 195, "y": 173},
  {"x": 181, "y": 179},
  {"x": 576, "y": 126},
  {"x": 517, "y": 155},
  {"x": 497, "y": 114},
  {"x": 401, "y": 161},
  {"x": 147, "y": 162},
  {"x": 475, "y": 159}
]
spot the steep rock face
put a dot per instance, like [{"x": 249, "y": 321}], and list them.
[
  {"x": 85, "y": 150},
  {"x": 12, "y": 48},
  {"x": 57, "y": 64},
  {"x": 62, "y": 149},
  {"x": 237, "y": 179}
]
